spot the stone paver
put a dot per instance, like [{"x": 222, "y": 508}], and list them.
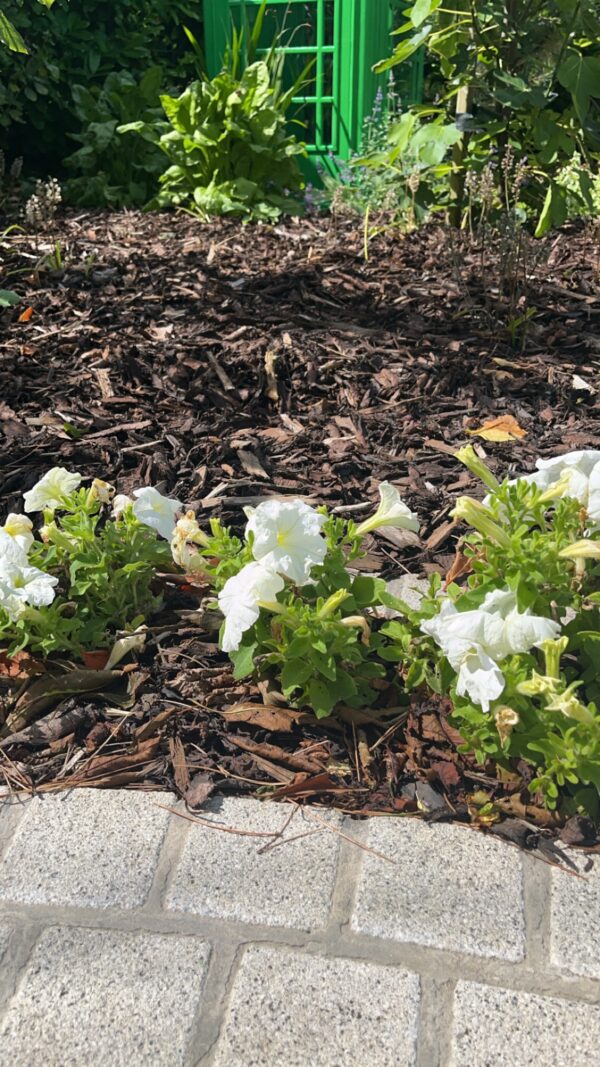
[
  {"x": 298, "y": 1010},
  {"x": 451, "y": 888},
  {"x": 104, "y": 997},
  {"x": 5, "y": 932},
  {"x": 575, "y": 939},
  {"x": 500, "y": 1028},
  {"x": 227, "y": 876},
  {"x": 93, "y": 848},
  {"x": 312, "y": 953}
]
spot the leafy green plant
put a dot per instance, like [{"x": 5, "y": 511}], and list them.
[
  {"x": 112, "y": 172},
  {"x": 228, "y": 147},
  {"x": 516, "y": 647},
  {"x": 524, "y": 76},
  {"x": 534, "y": 556},
  {"x": 80, "y": 42},
  {"x": 90, "y": 575}
]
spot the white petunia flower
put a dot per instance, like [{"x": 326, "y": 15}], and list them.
[
  {"x": 579, "y": 475},
  {"x": 392, "y": 511},
  {"x": 120, "y": 502},
  {"x": 153, "y": 509},
  {"x": 20, "y": 528},
  {"x": 51, "y": 490},
  {"x": 22, "y": 585},
  {"x": 474, "y": 641},
  {"x": 10, "y": 549},
  {"x": 241, "y": 598},
  {"x": 287, "y": 538},
  {"x": 479, "y": 677},
  {"x": 509, "y": 631}
]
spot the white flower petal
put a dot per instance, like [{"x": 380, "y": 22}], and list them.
[
  {"x": 480, "y": 678},
  {"x": 50, "y": 491},
  {"x": 20, "y": 528},
  {"x": 155, "y": 510},
  {"x": 287, "y": 538},
  {"x": 21, "y": 584},
  {"x": 392, "y": 511},
  {"x": 240, "y": 600},
  {"x": 10, "y": 549}
]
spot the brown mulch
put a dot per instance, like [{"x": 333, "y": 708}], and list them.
[{"x": 225, "y": 364}]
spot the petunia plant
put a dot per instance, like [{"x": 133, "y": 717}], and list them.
[
  {"x": 291, "y": 606},
  {"x": 518, "y": 646},
  {"x": 90, "y": 571},
  {"x": 515, "y": 643}
]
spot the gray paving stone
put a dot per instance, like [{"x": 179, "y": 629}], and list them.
[
  {"x": 501, "y": 1028},
  {"x": 575, "y": 911},
  {"x": 90, "y": 998},
  {"x": 226, "y": 876},
  {"x": 450, "y": 888},
  {"x": 5, "y": 932},
  {"x": 90, "y": 848},
  {"x": 305, "y": 1011}
]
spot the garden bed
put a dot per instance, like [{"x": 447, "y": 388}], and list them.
[{"x": 226, "y": 364}]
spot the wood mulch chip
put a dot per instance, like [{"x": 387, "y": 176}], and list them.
[{"x": 226, "y": 364}]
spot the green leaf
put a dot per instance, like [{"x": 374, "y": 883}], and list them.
[
  {"x": 8, "y": 298},
  {"x": 11, "y": 37},
  {"x": 321, "y": 697},
  {"x": 554, "y": 211},
  {"x": 295, "y": 673},
  {"x": 581, "y": 76},
  {"x": 422, "y": 9},
  {"x": 243, "y": 661},
  {"x": 404, "y": 50}
]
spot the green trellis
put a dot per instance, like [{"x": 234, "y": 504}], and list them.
[{"x": 345, "y": 38}]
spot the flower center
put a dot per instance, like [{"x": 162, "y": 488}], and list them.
[{"x": 281, "y": 539}]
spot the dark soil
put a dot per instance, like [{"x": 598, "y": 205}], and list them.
[{"x": 225, "y": 364}]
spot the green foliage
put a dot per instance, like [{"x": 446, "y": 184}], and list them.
[
  {"x": 112, "y": 172},
  {"x": 518, "y": 76},
  {"x": 228, "y": 148},
  {"x": 105, "y": 569},
  {"x": 80, "y": 42}
]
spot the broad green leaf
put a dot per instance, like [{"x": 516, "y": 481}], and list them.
[
  {"x": 8, "y": 298},
  {"x": 422, "y": 9},
  {"x": 243, "y": 661},
  {"x": 322, "y": 697},
  {"x": 11, "y": 36},
  {"x": 404, "y": 50},
  {"x": 554, "y": 211},
  {"x": 295, "y": 673},
  {"x": 581, "y": 76}
]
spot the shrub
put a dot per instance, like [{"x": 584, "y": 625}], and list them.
[
  {"x": 524, "y": 78},
  {"x": 114, "y": 173},
  {"x": 228, "y": 148},
  {"x": 80, "y": 42}
]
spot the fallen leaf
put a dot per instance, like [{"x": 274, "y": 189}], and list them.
[
  {"x": 267, "y": 717},
  {"x": 21, "y": 665},
  {"x": 504, "y": 428},
  {"x": 179, "y": 763},
  {"x": 461, "y": 565},
  {"x": 51, "y": 689},
  {"x": 200, "y": 788}
]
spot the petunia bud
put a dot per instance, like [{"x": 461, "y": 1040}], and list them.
[
  {"x": 584, "y": 549},
  {"x": 472, "y": 462},
  {"x": 481, "y": 519}
]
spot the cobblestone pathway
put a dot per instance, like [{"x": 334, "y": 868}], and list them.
[{"x": 129, "y": 936}]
